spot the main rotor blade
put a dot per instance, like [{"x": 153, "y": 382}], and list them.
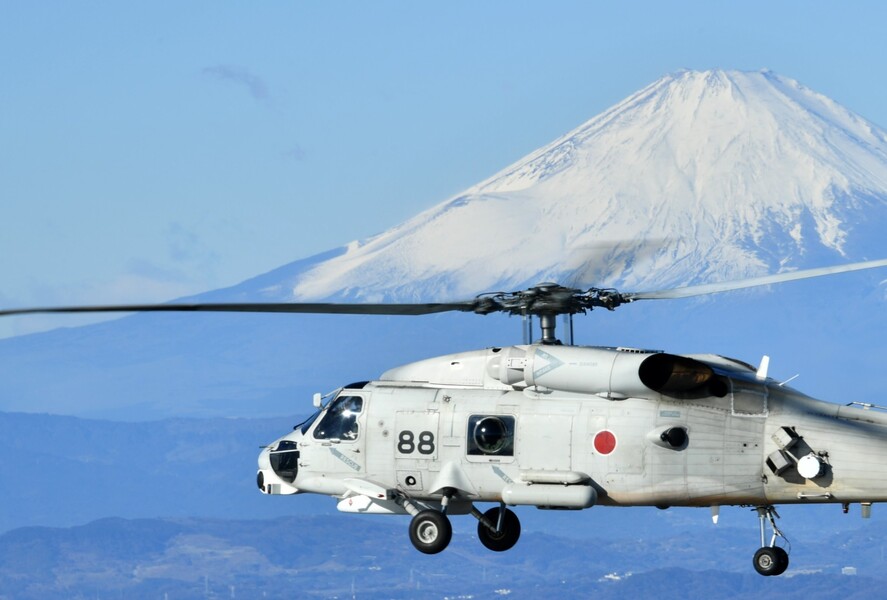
[
  {"x": 258, "y": 307},
  {"x": 714, "y": 288},
  {"x": 548, "y": 299}
]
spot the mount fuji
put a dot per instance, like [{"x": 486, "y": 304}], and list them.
[{"x": 699, "y": 177}]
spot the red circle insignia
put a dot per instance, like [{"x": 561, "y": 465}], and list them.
[{"x": 604, "y": 442}]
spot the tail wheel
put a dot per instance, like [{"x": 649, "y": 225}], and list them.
[
  {"x": 430, "y": 531},
  {"x": 506, "y": 537}
]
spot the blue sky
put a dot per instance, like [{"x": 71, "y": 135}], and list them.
[{"x": 154, "y": 150}]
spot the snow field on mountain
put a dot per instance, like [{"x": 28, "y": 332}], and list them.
[{"x": 699, "y": 177}]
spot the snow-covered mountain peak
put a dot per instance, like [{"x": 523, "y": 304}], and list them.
[{"x": 700, "y": 176}]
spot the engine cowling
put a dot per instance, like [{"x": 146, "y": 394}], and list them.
[{"x": 607, "y": 372}]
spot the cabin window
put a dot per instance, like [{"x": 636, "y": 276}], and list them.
[{"x": 491, "y": 435}]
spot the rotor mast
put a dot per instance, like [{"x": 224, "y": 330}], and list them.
[{"x": 548, "y": 322}]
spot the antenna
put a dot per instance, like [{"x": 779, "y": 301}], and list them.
[
  {"x": 762, "y": 370},
  {"x": 568, "y": 328},
  {"x": 527, "y": 326},
  {"x": 792, "y": 378}
]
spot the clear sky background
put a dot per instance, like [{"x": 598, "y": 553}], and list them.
[{"x": 150, "y": 150}]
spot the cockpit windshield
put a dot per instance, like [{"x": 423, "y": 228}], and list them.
[
  {"x": 340, "y": 420},
  {"x": 305, "y": 425}
]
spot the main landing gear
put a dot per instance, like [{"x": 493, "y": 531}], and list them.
[
  {"x": 770, "y": 559},
  {"x": 498, "y": 529},
  {"x": 431, "y": 531}
]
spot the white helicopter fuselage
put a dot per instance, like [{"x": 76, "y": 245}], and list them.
[{"x": 571, "y": 427}]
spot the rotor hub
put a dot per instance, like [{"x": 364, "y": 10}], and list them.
[{"x": 548, "y": 299}]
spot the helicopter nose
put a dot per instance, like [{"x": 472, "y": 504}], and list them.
[
  {"x": 278, "y": 468},
  {"x": 284, "y": 460}
]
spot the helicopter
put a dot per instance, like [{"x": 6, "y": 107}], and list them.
[{"x": 564, "y": 427}]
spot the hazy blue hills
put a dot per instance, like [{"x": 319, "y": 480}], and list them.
[
  {"x": 195, "y": 526},
  {"x": 65, "y": 470},
  {"x": 163, "y": 365},
  {"x": 350, "y": 556}
]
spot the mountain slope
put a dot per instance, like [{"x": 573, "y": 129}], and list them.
[
  {"x": 722, "y": 175},
  {"x": 699, "y": 177}
]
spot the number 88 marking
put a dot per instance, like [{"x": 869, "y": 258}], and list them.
[
  {"x": 406, "y": 442},
  {"x": 426, "y": 443}
]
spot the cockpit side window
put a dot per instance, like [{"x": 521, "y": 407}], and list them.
[{"x": 340, "y": 420}]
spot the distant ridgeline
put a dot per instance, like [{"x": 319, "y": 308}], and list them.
[{"x": 194, "y": 558}]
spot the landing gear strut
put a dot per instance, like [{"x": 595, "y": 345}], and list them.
[
  {"x": 431, "y": 531},
  {"x": 498, "y": 529},
  {"x": 770, "y": 559}
]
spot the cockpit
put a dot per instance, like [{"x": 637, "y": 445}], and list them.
[{"x": 339, "y": 421}]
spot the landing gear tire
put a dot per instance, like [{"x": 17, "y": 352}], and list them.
[
  {"x": 430, "y": 531},
  {"x": 771, "y": 561},
  {"x": 506, "y": 538},
  {"x": 783, "y": 560}
]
